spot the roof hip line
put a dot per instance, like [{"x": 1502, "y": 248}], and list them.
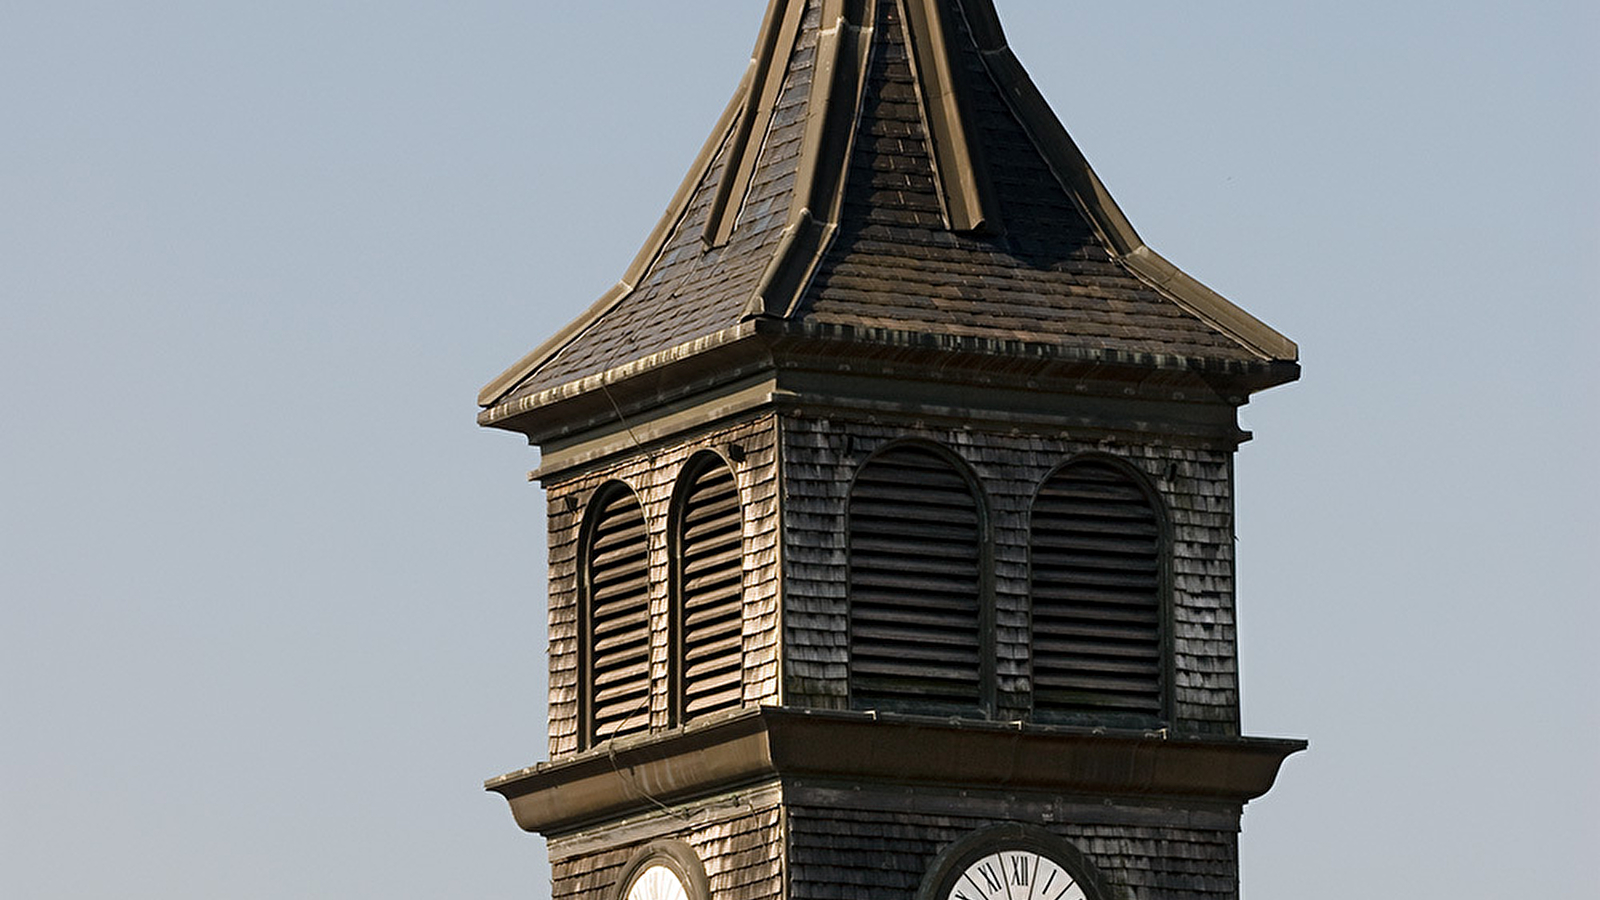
[{"x": 857, "y": 177}]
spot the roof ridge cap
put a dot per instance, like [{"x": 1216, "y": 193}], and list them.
[
  {"x": 825, "y": 118},
  {"x": 833, "y": 114},
  {"x": 1072, "y": 170}
]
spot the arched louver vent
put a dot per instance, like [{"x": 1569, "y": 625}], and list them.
[
  {"x": 709, "y": 620},
  {"x": 915, "y": 586},
  {"x": 1097, "y": 604},
  {"x": 618, "y": 616}
]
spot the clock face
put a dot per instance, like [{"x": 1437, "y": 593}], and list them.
[
  {"x": 657, "y": 882},
  {"x": 1016, "y": 875}
]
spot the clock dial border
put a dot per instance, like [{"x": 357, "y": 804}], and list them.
[
  {"x": 676, "y": 857},
  {"x": 951, "y": 877}
]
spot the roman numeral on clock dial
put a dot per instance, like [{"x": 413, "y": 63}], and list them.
[{"x": 1016, "y": 875}]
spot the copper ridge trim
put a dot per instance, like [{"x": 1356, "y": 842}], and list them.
[
  {"x": 833, "y": 113},
  {"x": 769, "y": 69},
  {"x": 1072, "y": 169},
  {"x": 507, "y": 381},
  {"x": 964, "y": 187}
]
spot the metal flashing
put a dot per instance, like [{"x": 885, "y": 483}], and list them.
[
  {"x": 499, "y": 415},
  {"x": 1210, "y": 306},
  {"x": 769, "y": 66},
  {"x": 819, "y": 184},
  {"x": 833, "y": 109},
  {"x": 964, "y": 189},
  {"x": 791, "y": 267}
]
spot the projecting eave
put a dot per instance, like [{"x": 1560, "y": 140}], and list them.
[
  {"x": 637, "y": 317},
  {"x": 695, "y": 367},
  {"x": 754, "y": 746},
  {"x": 506, "y": 382},
  {"x": 1020, "y": 361},
  {"x": 777, "y": 351}
]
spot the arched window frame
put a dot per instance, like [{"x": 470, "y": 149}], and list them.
[
  {"x": 598, "y": 501},
  {"x": 986, "y": 638},
  {"x": 698, "y": 465},
  {"x": 1165, "y": 592}
]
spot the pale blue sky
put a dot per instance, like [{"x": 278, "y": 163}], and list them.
[{"x": 273, "y": 604}]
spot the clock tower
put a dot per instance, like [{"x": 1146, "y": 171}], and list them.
[{"x": 890, "y": 507}]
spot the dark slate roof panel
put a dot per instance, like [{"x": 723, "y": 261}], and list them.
[
  {"x": 907, "y": 179},
  {"x": 692, "y": 291},
  {"x": 1048, "y": 279}
]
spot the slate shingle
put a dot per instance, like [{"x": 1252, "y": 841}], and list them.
[
  {"x": 1048, "y": 279},
  {"x": 893, "y": 264}
]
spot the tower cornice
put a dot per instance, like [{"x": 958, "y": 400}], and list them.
[{"x": 755, "y": 746}]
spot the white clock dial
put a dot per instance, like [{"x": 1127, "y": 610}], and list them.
[
  {"x": 1016, "y": 875},
  {"x": 657, "y": 883}
]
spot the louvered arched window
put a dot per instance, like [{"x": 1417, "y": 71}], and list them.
[
  {"x": 615, "y": 616},
  {"x": 916, "y": 583},
  {"x": 708, "y": 602},
  {"x": 1098, "y": 585}
]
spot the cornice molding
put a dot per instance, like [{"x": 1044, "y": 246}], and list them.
[{"x": 753, "y": 746}]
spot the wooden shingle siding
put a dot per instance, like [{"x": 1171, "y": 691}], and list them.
[
  {"x": 653, "y": 477},
  {"x": 1192, "y": 482},
  {"x": 847, "y": 853},
  {"x": 818, "y": 466},
  {"x": 708, "y": 614},
  {"x": 915, "y": 583},
  {"x": 892, "y": 412},
  {"x": 562, "y": 526},
  {"x": 1097, "y": 580},
  {"x": 616, "y": 616},
  {"x": 740, "y": 851}
]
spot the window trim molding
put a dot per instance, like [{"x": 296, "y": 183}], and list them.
[
  {"x": 1166, "y": 591},
  {"x": 988, "y": 651},
  {"x": 674, "y": 855},
  {"x": 698, "y": 463},
  {"x": 602, "y": 494},
  {"x": 963, "y": 852}
]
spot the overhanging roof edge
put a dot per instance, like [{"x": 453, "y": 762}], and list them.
[
  {"x": 760, "y": 744},
  {"x": 1072, "y": 169},
  {"x": 507, "y": 381}
]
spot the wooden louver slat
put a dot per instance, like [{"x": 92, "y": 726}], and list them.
[
  {"x": 709, "y": 615},
  {"x": 915, "y": 585},
  {"x": 1096, "y": 588},
  {"x": 618, "y": 617}
]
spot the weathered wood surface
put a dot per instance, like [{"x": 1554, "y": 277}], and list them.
[
  {"x": 821, "y": 457},
  {"x": 653, "y": 476}
]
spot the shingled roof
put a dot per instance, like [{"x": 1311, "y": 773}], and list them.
[{"x": 887, "y": 172}]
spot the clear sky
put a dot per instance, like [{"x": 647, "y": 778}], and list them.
[{"x": 273, "y": 604}]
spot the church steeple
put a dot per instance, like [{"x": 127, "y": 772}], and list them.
[
  {"x": 894, "y": 144},
  {"x": 890, "y": 500}
]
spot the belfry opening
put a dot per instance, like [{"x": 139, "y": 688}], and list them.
[{"x": 890, "y": 507}]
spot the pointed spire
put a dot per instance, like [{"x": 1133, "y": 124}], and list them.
[{"x": 887, "y": 168}]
